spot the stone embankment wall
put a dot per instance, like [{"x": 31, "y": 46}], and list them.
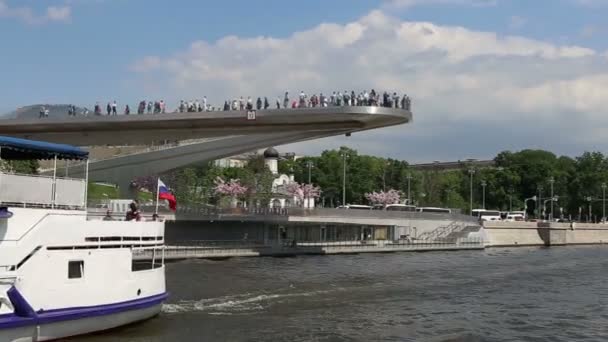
[{"x": 502, "y": 234}]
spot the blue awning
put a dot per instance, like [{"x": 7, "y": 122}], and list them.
[{"x": 22, "y": 149}]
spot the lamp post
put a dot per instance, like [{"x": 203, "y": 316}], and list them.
[
  {"x": 471, "y": 173},
  {"x": 540, "y": 200},
  {"x": 483, "y": 192},
  {"x": 552, "y": 181},
  {"x": 533, "y": 198},
  {"x": 309, "y": 164},
  {"x": 603, "y": 201},
  {"x": 552, "y": 199},
  {"x": 384, "y": 176},
  {"x": 343, "y": 178},
  {"x": 409, "y": 194},
  {"x": 589, "y": 199}
]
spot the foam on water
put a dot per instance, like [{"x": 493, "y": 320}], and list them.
[{"x": 241, "y": 303}]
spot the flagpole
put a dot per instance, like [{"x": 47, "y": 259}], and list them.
[{"x": 157, "y": 193}]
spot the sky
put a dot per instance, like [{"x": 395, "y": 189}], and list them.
[{"x": 484, "y": 75}]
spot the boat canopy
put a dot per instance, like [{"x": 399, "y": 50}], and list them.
[{"x": 23, "y": 149}]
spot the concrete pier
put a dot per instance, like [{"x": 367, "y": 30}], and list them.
[
  {"x": 507, "y": 234},
  {"x": 354, "y": 247}
]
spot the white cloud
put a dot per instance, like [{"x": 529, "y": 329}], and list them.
[
  {"x": 412, "y": 3},
  {"x": 27, "y": 15},
  {"x": 62, "y": 13},
  {"x": 461, "y": 81},
  {"x": 517, "y": 22}
]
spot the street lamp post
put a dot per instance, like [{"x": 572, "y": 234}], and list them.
[
  {"x": 589, "y": 199},
  {"x": 552, "y": 199},
  {"x": 344, "y": 156},
  {"x": 471, "y": 173},
  {"x": 533, "y": 198},
  {"x": 384, "y": 176},
  {"x": 540, "y": 200},
  {"x": 409, "y": 194},
  {"x": 483, "y": 198},
  {"x": 551, "y": 181},
  {"x": 603, "y": 201},
  {"x": 309, "y": 164}
]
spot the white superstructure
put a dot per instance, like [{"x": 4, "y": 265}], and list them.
[{"x": 64, "y": 273}]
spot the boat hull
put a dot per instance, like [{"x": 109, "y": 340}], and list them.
[{"x": 80, "y": 321}]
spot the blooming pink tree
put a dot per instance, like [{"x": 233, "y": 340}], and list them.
[
  {"x": 232, "y": 188},
  {"x": 384, "y": 197},
  {"x": 303, "y": 192}
]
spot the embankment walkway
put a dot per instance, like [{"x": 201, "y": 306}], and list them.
[{"x": 354, "y": 247}]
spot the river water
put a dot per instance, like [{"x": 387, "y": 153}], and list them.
[{"x": 519, "y": 294}]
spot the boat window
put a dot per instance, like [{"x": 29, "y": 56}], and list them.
[{"x": 75, "y": 269}]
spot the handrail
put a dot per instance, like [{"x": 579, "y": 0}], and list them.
[{"x": 320, "y": 212}]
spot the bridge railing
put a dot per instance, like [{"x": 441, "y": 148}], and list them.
[{"x": 204, "y": 211}]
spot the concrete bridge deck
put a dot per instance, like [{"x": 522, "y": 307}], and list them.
[{"x": 294, "y": 124}]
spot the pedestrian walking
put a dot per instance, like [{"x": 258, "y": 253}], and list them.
[
  {"x": 286, "y": 100},
  {"x": 114, "y": 109}
]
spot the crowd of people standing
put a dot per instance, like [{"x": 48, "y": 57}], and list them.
[
  {"x": 338, "y": 99},
  {"x": 335, "y": 99}
]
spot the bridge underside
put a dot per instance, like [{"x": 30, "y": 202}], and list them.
[
  {"x": 122, "y": 170},
  {"x": 146, "y": 129},
  {"x": 227, "y": 133}
]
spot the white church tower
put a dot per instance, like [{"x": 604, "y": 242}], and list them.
[{"x": 271, "y": 158}]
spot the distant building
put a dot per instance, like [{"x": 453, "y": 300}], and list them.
[
  {"x": 234, "y": 161},
  {"x": 280, "y": 196}
]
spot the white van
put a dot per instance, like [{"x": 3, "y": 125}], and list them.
[
  {"x": 486, "y": 215},
  {"x": 400, "y": 207},
  {"x": 434, "y": 210},
  {"x": 516, "y": 216},
  {"x": 355, "y": 207}
]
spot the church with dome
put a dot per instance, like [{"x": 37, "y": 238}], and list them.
[{"x": 280, "y": 196}]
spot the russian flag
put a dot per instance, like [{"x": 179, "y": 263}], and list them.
[{"x": 165, "y": 194}]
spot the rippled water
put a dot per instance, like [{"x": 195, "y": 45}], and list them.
[{"x": 520, "y": 294}]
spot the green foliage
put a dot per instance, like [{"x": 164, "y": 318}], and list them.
[
  {"x": 515, "y": 177},
  {"x": 20, "y": 166},
  {"x": 102, "y": 192}
]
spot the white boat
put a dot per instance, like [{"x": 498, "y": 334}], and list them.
[{"x": 63, "y": 272}]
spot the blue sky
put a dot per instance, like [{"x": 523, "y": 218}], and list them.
[{"x": 82, "y": 51}]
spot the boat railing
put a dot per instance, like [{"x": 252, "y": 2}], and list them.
[{"x": 35, "y": 191}]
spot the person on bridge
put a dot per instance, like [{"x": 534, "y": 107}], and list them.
[
  {"x": 278, "y": 102},
  {"x": 266, "y": 103},
  {"x": 114, "y": 108},
  {"x": 286, "y": 100},
  {"x": 302, "y": 99},
  {"x": 127, "y": 110},
  {"x": 149, "y": 107},
  {"x": 258, "y": 103}
]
